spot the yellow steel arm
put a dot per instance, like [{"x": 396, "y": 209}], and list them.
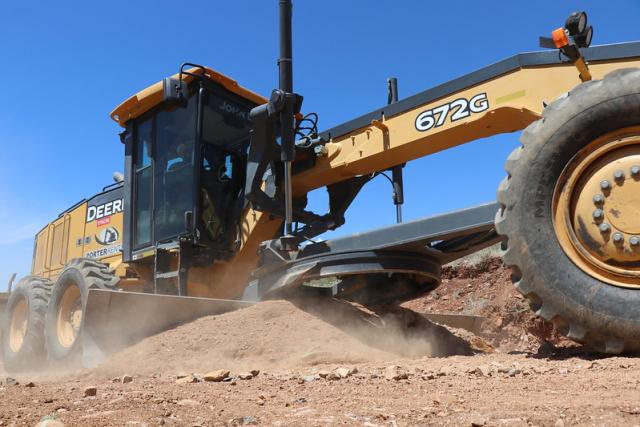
[{"x": 514, "y": 101}]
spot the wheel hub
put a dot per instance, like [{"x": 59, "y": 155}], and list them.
[
  {"x": 597, "y": 209},
  {"x": 18, "y": 326},
  {"x": 69, "y": 316}
]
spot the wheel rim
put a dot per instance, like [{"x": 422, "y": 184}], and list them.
[
  {"x": 596, "y": 208},
  {"x": 18, "y": 327},
  {"x": 69, "y": 317}
]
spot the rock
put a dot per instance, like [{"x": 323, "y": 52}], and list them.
[
  {"x": 189, "y": 379},
  {"x": 513, "y": 372},
  {"x": 393, "y": 373},
  {"x": 10, "y": 381},
  {"x": 333, "y": 376},
  {"x": 345, "y": 372},
  {"x": 90, "y": 391},
  {"x": 50, "y": 422},
  {"x": 477, "y": 420},
  {"x": 563, "y": 371},
  {"x": 444, "y": 371},
  {"x": 255, "y": 372},
  {"x": 481, "y": 371},
  {"x": 245, "y": 375},
  {"x": 126, "y": 379},
  {"x": 323, "y": 374},
  {"x": 559, "y": 423},
  {"x": 188, "y": 402},
  {"x": 308, "y": 378},
  {"x": 243, "y": 421},
  {"x": 30, "y": 384},
  {"x": 216, "y": 376}
]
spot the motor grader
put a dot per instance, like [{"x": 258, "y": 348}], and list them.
[{"x": 211, "y": 211}]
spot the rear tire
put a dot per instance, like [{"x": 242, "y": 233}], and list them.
[
  {"x": 24, "y": 317},
  {"x": 65, "y": 313},
  {"x": 602, "y": 313}
]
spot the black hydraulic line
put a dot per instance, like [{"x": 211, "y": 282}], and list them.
[{"x": 396, "y": 171}]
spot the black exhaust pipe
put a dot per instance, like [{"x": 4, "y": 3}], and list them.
[
  {"x": 287, "y": 131},
  {"x": 285, "y": 63}
]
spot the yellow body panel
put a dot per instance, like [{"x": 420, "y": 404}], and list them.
[{"x": 71, "y": 236}]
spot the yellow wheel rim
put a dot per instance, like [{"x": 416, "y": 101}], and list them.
[
  {"x": 18, "y": 326},
  {"x": 596, "y": 208},
  {"x": 69, "y": 317}
]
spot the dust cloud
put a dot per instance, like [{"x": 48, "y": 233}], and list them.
[{"x": 286, "y": 335}]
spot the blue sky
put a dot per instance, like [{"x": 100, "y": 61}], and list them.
[{"x": 68, "y": 63}]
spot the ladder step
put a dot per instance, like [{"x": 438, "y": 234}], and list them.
[{"x": 167, "y": 275}]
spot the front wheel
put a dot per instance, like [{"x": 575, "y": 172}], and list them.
[
  {"x": 570, "y": 209},
  {"x": 66, "y": 308}
]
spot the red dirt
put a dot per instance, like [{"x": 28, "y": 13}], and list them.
[{"x": 485, "y": 289}]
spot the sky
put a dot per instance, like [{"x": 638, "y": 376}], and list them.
[{"x": 67, "y": 64}]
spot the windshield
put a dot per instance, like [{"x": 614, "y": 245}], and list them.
[{"x": 225, "y": 136}]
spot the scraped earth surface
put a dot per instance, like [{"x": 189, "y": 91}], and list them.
[{"x": 330, "y": 362}]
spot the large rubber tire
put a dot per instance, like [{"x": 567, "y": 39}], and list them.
[
  {"x": 603, "y": 316},
  {"x": 82, "y": 274},
  {"x": 32, "y": 294}
]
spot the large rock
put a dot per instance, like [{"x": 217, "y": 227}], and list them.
[
  {"x": 216, "y": 376},
  {"x": 346, "y": 372},
  {"x": 187, "y": 380}
]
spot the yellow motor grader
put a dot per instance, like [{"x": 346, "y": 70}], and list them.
[{"x": 211, "y": 211}]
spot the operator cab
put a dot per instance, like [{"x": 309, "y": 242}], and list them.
[{"x": 185, "y": 170}]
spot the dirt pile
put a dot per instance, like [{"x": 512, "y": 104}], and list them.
[
  {"x": 485, "y": 289},
  {"x": 277, "y": 335},
  {"x": 280, "y": 334}
]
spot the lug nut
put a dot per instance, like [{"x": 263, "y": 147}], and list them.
[
  {"x": 605, "y": 185},
  {"x": 618, "y": 175},
  {"x": 598, "y": 198},
  {"x": 635, "y": 170},
  {"x": 617, "y": 238},
  {"x": 634, "y": 240},
  {"x": 604, "y": 227},
  {"x": 598, "y": 214}
]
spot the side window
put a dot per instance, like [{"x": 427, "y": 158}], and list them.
[{"x": 143, "y": 184}]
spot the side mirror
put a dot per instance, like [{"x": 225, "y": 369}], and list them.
[{"x": 174, "y": 90}]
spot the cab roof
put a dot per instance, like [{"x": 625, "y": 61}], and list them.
[{"x": 148, "y": 98}]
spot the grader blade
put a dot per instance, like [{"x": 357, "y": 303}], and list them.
[{"x": 115, "y": 319}]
